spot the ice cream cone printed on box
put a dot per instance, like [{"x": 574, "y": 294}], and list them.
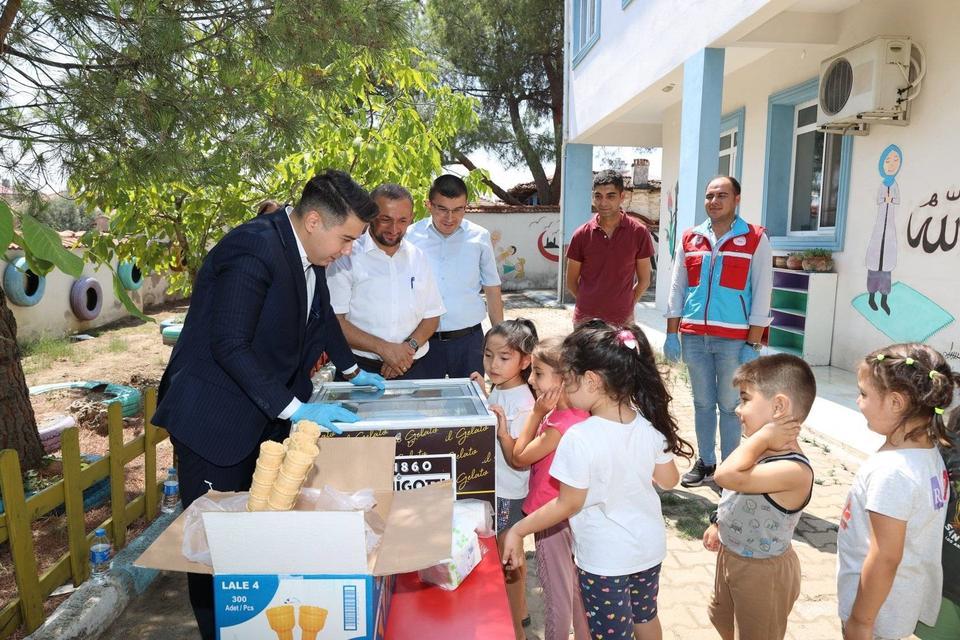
[
  {"x": 281, "y": 621},
  {"x": 312, "y": 620}
]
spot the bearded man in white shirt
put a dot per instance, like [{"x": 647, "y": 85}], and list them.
[{"x": 384, "y": 294}]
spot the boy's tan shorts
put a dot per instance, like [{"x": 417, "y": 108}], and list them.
[{"x": 752, "y": 597}]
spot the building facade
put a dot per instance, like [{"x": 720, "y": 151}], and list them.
[{"x": 737, "y": 88}]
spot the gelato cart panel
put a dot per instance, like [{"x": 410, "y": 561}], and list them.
[{"x": 443, "y": 429}]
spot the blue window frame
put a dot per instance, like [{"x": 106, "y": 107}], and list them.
[
  {"x": 807, "y": 174},
  {"x": 731, "y": 144},
  {"x": 586, "y": 27},
  {"x": 624, "y": 3}
]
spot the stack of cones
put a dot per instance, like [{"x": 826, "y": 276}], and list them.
[
  {"x": 266, "y": 473},
  {"x": 312, "y": 620},
  {"x": 281, "y": 620},
  {"x": 283, "y": 468}
]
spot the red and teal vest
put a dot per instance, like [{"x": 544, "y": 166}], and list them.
[{"x": 719, "y": 292}]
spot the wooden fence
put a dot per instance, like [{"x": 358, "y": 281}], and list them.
[{"x": 20, "y": 513}]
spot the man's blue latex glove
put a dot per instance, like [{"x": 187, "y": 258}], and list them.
[
  {"x": 671, "y": 348},
  {"x": 324, "y": 414},
  {"x": 747, "y": 354},
  {"x": 368, "y": 379}
]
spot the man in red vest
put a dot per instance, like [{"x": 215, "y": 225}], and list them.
[{"x": 720, "y": 303}]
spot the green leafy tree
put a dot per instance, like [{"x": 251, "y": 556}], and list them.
[
  {"x": 175, "y": 117},
  {"x": 508, "y": 54},
  {"x": 381, "y": 115},
  {"x": 60, "y": 213}
]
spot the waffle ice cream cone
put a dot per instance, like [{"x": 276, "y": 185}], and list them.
[
  {"x": 308, "y": 426},
  {"x": 312, "y": 620},
  {"x": 281, "y": 621},
  {"x": 260, "y": 489},
  {"x": 265, "y": 475},
  {"x": 278, "y": 502},
  {"x": 271, "y": 453},
  {"x": 303, "y": 441},
  {"x": 256, "y": 503}
]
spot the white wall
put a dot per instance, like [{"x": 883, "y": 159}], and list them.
[
  {"x": 52, "y": 315},
  {"x": 930, "y": 145},
  {"x": 530, "y": 234},
  {"x": 639, "y": 44}
]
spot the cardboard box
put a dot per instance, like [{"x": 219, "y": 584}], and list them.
[{"x": 311, "y": 567}]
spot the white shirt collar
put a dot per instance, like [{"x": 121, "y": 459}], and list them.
[{"x": 303, "y": 252}]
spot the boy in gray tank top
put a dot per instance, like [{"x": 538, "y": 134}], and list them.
[{"x": 766, "y": 481}]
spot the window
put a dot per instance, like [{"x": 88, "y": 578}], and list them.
[
  {"x": 586, "y": 27},
  {"x": 807, "y": 174},
  {"x": 816, "y": 172},
  {"x": 728, "y": 152}
]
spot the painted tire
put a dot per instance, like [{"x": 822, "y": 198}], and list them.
[
  {"x": 171, "y": 334},
  {"x": 169, "y": 322},
  {"x": 130, "y": 276},
  {"x": 128, "y": 397},
  {"x": 86, "y": 298},
  {"x": 23, "y": 287}
]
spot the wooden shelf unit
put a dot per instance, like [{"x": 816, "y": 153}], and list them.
[{"x": 803, "y": 306}]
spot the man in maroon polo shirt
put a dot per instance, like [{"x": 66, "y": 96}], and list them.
[{"x": 608, "y": 260}]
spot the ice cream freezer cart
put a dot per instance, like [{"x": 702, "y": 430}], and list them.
[{"x": 444, "y": 430}]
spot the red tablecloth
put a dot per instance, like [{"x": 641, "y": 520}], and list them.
[{"x": 477, "y": 609}]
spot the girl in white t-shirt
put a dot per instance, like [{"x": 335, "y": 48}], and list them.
[
  {"x": 606, "y": 467},
  {"x": 891, "y": 530},
  {"x": 506, "y": 362}
]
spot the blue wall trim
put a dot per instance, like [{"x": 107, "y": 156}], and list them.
[
  {"x": 699, "y": 132},
  {"x": 736, "y": 120},
  {"x": 580, "y": 54},
  {"x": 776, "y": 184},
  {"x": 577, "y": 192}
]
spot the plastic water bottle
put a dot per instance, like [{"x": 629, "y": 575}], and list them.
[
  {"x": 171, "y": 492},
  {"x": 100, "y": 553}
]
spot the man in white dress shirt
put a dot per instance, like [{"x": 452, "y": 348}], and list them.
[
  {"x": 461, "y": 255},
  {"x": 384, "y": 293}
]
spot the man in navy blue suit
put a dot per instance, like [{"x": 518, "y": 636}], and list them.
[{"x": 259, "y": 318}]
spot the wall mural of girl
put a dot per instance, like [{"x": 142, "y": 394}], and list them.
[{"x": 881, "y": 256}]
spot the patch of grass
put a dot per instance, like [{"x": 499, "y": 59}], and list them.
[
  {"x": 690, "y": 514},
  {"x": 117, "y": 345},
  {"x": 40, "y": 353}
]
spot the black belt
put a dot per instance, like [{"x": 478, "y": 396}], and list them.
[{"x": 443, "y": 336}]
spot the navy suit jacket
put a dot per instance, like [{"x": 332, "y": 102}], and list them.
[{"x": 247, "y": 347}]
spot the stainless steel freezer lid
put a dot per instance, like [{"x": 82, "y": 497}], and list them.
[{"x": 448, "y": 401}]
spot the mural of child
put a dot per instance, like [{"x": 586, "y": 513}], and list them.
[{"x": 881, "y": 256}]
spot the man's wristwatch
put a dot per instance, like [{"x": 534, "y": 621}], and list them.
[
  {"x": 714, "y": 517},
  {"x": 413, "y": 343},
  {"x": 351, "y": 375},
  {"x": 756, "y": 346}
]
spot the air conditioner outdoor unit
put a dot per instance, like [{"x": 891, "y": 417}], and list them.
[{"x": 868, "y": 83}]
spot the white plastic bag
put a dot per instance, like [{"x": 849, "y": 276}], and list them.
[
  {"x": 330, "y": 499},
  {"x": 195, "y": 546},
  {"x": 470, "y": 518}
]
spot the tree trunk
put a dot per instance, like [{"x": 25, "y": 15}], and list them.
[
  {"x": 530, "y": 154},
  {"x": 18, "y": 425},
  {"x": 10, "y": 10},
  {"x": 553, "y": 67},
  {"x": 497, "y": 189}
]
